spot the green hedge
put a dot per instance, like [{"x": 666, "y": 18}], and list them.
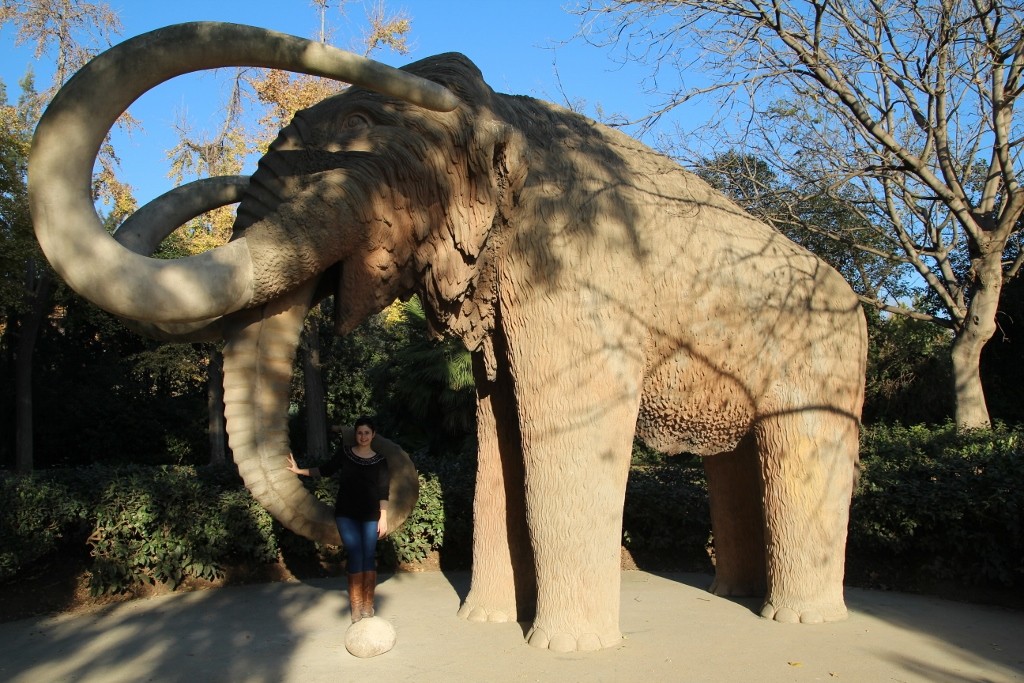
[
  {"x": 140, "y": 524},
  {"x": 666, "y": 523},
  {"x": 442, "y": 520},
  {"x": 930, "y": 505},
  {"x": 37, "y": 514},
  {"x": 933, "y": 505},
  {"x": 168, "y": 524}
]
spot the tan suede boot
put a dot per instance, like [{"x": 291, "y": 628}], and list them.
[
  {"x": 355, "y": 595},
  {"x": 369, "y": 586}
]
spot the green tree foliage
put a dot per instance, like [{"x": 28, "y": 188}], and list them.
[
  {"x": 347, "y": 391},
  {"x": 67, "y": 30},
  {"x": 27, "y": 280},
  {"x": 419, "y": 389},
  {"x": 426, "y": 388},
  {"x": 17, "y": 242},
  {"x": 110, "y": 396},
  {"x": 104, "y": 394},
  {"x": 907, "y": 359}
]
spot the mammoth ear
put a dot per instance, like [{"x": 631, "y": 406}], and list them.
[
  {"x": 504, "y": 148},
  {"x": 497, "y": 164}
]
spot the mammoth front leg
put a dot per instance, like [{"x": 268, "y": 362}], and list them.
[
  {"x": 504, "y": 586},
  {"x": 577, "y": 385}
]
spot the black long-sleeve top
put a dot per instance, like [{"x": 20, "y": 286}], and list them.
[{"x": 362, "y": 483}]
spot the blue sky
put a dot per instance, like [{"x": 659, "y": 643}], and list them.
[{"x": 523, "y": 47}]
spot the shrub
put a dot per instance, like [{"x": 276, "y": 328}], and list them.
[
  {"x": 140, "y": 524},
  {"x": 37, "y": 513},
  {"x": 666, "y": 522},
  {"x": 161, "y": 525},
  {"x": 423, "y": 531},
  {"x": 442, "y": 519},
  {"x": 932, "y": 504}
]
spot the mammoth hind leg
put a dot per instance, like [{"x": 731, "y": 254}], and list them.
[
  {"x": 808, "y": 462},
  {"x": 737, "y": 520}
]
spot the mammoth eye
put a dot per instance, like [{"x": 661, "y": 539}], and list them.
[{"x": 356, "y": 121}]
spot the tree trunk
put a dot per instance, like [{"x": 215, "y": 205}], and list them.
[
  {"x": 978, "y": 328},
  {"x": 215, "y": 408},
  {"x": 316, "y": 410},
  {"x": 37, "y": 293},
  {"x": 23, "y": 444}
]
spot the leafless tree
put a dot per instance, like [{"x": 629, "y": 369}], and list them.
[{"x": 903, "y": 109}]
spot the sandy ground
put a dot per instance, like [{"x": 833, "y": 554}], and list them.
[{"x": 673, "y": 630}]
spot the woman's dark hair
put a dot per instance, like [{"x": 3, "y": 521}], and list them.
[{"x": 365, "y": 421}]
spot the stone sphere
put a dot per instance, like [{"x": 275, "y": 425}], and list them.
[{"x": 370, "y": 637}]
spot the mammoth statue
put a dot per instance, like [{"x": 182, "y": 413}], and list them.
[{"x": 603, "y": 291}]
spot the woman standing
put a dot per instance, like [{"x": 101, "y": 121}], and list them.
[{"x": 361, "y": 510}]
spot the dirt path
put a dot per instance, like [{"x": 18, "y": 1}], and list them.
[{"x": 673, "y": 631}]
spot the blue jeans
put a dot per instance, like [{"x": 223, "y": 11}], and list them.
[{"x": 360, "y": 540}]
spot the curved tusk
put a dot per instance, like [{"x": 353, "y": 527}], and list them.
[
  {"x": 144, "y": 230},
  {"x": 150, "y": 225},
  {"x": 73, "y": 127}
]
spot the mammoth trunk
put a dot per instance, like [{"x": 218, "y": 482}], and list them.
[{"x": 258, "y": 361}]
